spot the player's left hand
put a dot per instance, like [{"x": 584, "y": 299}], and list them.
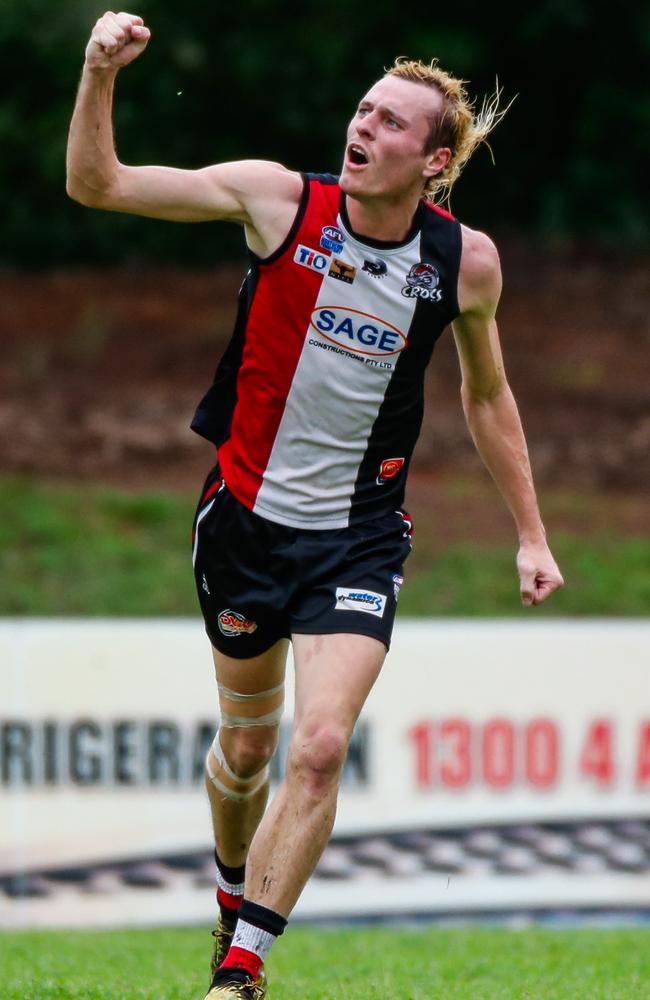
[{"x": 539, "y": 574}]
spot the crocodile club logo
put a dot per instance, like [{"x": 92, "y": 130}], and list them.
[
  {"x": 422, "y": 282},
  {"x": 232, "y": 623}
]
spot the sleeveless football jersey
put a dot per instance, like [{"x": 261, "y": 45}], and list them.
[{"x": 317, "y": 402}]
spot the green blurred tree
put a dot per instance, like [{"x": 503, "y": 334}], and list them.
[{"x": 223, "y": 81}]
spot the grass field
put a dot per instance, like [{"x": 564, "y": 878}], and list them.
[
  {"x": 344, "y": 964},
  {"x": 88, "y": 550}
]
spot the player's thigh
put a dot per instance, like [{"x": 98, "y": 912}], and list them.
[
  {"x": 334, "y": 676},
  {"x": 251, "y": 702},
  {"x": 243, "y": 581},
  {"x": 250, "y": 689}
]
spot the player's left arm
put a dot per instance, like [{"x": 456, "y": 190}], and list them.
[{"x": 492, "y": 415}]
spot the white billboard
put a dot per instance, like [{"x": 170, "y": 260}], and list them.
[{"x": 104, "y": 727}]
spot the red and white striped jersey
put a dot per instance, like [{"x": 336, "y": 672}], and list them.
[{"x": 317, "y": 402}]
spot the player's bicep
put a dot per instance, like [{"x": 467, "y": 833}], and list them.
[{"x": 178, "y": 195}]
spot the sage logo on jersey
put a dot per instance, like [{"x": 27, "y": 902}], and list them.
[
  {"x": 342, "y": 271},
  {"x": 351, "y": 599},
  {"x": 375, "y": 268},
  {"x": 422, "y": 283},
  {"x": 232, "y": 623},
  {"x": 358, "y": 331},
  {"x": 311, "y": 258},
  {"x": 332, "y": 239},
  {"x": 388, "y": 469}
]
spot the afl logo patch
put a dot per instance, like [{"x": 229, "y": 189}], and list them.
[
  {"x": 358, "y": 331},
  {"x": 332, "y": 239},
  {"x": 232, "y": 623}
]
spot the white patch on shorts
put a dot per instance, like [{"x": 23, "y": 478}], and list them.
[{"x": 358, "y": 599}]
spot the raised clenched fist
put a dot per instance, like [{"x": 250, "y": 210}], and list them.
[{"x": 116, "y": 40}]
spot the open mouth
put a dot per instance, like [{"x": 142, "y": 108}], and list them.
[{"x": 357, "y": 156}]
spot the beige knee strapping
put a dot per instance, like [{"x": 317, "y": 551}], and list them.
[
  {"x": 238, "y": 696},
  {"x": 253, "y": 784},
  {"x": 229, "y": 721}
]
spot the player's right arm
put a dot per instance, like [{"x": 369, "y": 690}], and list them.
[{"x": 263, "y": 196}]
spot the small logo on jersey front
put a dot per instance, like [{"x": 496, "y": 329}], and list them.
[
  {"x": 388, "y": 469},
  {"x": 311, "y": 258},
  {"x": 350, "y": 599},
  {"x": 397, "y": 584},
  {"x": 422, "y": 282},
  {"x": 332, "y": 239},
  {"x": 342, "y": 271},
  {"x": 358, "y": 331},
  {"x": 232, "y": 623},
  {"x": 375, "y": 268}
]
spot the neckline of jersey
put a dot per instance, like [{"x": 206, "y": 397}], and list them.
[{"x": 385, "y": 245}]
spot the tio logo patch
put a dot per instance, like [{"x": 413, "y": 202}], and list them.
[
  {"x": 311, "y": 258},
  {"x": 232, "y": 624},
  {"x": 349, "y": 599},
  {"x": 358, "y": 331}
]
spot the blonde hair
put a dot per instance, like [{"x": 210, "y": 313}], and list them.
[{"x": 458, "y": 126}]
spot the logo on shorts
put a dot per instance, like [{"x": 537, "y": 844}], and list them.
[
  {"x": 397, "y": 584},
  {"x": 388, "y": 469},
  {"x": 342, "y": 271},
  {"x": 376, "y": 268},
  {"x": 349, "y": 599},
  {"x": 232, "y": 623},
  {"x": 422, "y": 283},
  {"x": 332, "y": 239},
  {"x": 312, "y": 259},
  {"x": 204, "y": 584}
]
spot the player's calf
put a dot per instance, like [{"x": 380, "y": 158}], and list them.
[{"x": 237, "y": 781}]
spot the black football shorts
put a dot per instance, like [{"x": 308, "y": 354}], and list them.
[{"x": 259, "y": 581}]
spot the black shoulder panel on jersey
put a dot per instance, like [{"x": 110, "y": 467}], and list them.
[
  {"x": 213, "y": 416},
  {"x": 442, "y": 243},
  {"x": 323, "y": 178}
]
